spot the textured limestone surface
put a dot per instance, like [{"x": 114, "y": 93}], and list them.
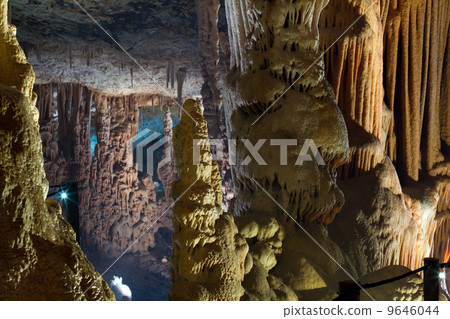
[
  {"x": 279, "y": 42},
  {"x": 399, "y": 157},
  {"x": 39, "y": 256},
  {"x": 382, "y": 223},
  {"x": 208, "y": 256}
]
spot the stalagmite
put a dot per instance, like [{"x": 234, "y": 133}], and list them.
[
  {"x": 208, "y": 256},
  {"x": 167, "y": 171},
  {"x": 34, "y": 235}
]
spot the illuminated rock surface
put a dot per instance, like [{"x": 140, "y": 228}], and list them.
[
  {"x": 37, "y": 244},
  {"x": 208, "y": 253}
]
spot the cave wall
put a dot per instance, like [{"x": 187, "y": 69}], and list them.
[{"x": 37, "y": 244}]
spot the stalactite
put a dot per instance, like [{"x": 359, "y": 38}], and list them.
[
  {"x": 445, "y": 103},
  {"x": 399, "y": 45},
  {"x": 354, "y": 64},
  {"x": 265, "y": 67},
  {"x": 208, "y": 16},
  {"x": 131, "y": 76},
  {"x": 225, "y": 48},
  {"x": 170, "y": 77},
  {"x": 276, "y": 89},
  {"x": 441, "y": 237},
  {"x": 208, "y": 39},
  {"x": 223, "y": 159},
  {"x": 38, "y": 51},
  {"x": 366, "y": 152},
  {"x": 354, "y": 68},
  {"x": 416, "y": 33},
  {"x": 181, "y": 77}
]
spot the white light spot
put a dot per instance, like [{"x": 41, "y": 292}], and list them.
[{"x": 121, "y": 291}]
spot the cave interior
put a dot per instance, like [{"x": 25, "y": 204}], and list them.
[{"x": 102, "y": 182}]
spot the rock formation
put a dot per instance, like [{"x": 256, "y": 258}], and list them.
[
  {"x": 276, "y": 89},
  {"x": 115, "y": 206},
  {"x": 55, "y": 164},
  {"x": 407, "y": 67},
  {"x": 355, "y": 63},
  {"x": 181, "y": 77},
  {"x": 167, "y": 170},
  {"x": 258, "y": 78},
  {"x": 280, "y": 264},
  {"x": 122, "y": 208},
  {"x": 37, "y": 244},
  {"x": 208, "y": 40},
  {"x": 416, "y": 35},
  {"x": 290, "y": 226},
  {"x": 208, "y": 256}
]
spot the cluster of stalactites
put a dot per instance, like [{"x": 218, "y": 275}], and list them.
[
  {"x": 208, "y": 16},
  {"x": 416, "y": 35},
  {"x": 354, "y": 64},
  {"x": 108, "y": 184},
  {"x": 250, "y": 21},
  {"x": 396, "y": 52},
  {"x": 274, "y": 46}
]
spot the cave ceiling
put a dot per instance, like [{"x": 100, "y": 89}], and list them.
[{"x": 151, "y": 31}]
